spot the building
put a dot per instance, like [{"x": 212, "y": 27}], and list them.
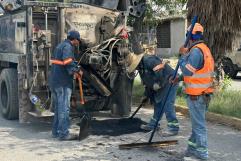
[{"x": 170, "y": 35}]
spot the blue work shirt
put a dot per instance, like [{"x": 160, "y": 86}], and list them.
[
  {"x": 193, "y": 58},
  {"x": 62, "y": 75},
  {"x": 149, "y": 77}
]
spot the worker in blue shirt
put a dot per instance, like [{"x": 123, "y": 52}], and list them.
[
  {"x": 155, "y": 76},
  {"x": 61, "y": 79},
  {"x": 197, "y": 66}
]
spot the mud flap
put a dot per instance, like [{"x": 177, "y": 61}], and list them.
[{"x": 122, "y": 96}]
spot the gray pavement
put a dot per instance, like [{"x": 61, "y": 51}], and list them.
[
  {"x": 25, "y": 142},
  {"x": 236, "y": 83}
]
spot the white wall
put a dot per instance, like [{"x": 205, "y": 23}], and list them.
[{"x": 178, "y": 33}]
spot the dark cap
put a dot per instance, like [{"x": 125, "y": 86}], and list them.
[{"x": 73, "y": 35}]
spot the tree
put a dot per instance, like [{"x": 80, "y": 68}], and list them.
[
  {"x": 158, "y": 8},
  {"x": 222, "y": 24}
]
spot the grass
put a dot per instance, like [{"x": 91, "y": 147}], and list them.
[{"x": 226, "y": 102}]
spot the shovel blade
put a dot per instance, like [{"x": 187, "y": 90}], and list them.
[{"x": 84, "y": 125}]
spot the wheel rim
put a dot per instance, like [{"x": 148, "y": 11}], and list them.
[{"x": 4, "y": 94}]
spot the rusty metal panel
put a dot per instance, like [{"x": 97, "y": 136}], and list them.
[
  {"x": 94, "y": 24},
  {"x": 13, "y": 33}
]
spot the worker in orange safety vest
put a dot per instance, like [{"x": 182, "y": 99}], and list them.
[{"x": 197, "y": 66}]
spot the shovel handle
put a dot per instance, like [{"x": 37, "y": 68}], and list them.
[{"x": 81, "y": 90}]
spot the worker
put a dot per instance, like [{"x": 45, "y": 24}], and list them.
[
  {"x": 197, "y": 66},
  {"x": 155, "y": 76},
  {"x": 62, "y": 71}
]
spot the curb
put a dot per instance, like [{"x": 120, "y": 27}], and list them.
[{"x": 215, "y": 118}]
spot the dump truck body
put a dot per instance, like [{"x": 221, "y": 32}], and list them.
[{"x": 30, "y": 32}]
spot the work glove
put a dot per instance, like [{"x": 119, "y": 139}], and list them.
[
  {"x": 156, "y": 86},
  {"x": 175, "y": 80}
]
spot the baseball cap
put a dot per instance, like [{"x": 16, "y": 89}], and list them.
[{"x": 73, "y": 34}]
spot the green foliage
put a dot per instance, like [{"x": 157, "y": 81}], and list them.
[
  {"x": 157, "y": 8},
  {"x": 226, "y": 82},
  {"x": 171, "y": 5},
  {"x": 181, "y": 96},
  {"x": 181, "y": 100},
  {"x": 138, "y": 90}
]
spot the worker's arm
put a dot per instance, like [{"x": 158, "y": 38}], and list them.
[
  {"x": 151, "y": 62},
  {"x": 69, "y": 60},
  {"x": 191, "y": 62}
]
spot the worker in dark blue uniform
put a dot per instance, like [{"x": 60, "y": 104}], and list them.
[
  {"x": 155, "y": 76},
  {"x": 61, "y": 80}
]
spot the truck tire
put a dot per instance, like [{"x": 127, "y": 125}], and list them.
[
  {"x": 9, "y": 93},
  {"x": 229, "y": 68}
]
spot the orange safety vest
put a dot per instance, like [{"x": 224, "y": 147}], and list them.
[{"x": 201, "y": 82}]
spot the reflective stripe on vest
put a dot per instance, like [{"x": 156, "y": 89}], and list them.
[
  {"x": 199, "y": 85},
  {"x": 59, "y": 62},
  {"x": 202, "y": 80},
  {"x": 204, "y": 75}
]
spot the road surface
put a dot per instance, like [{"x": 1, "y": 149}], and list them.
[{"x": 33, "y": 142}]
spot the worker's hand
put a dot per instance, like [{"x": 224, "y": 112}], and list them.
[
  {"x": 160, "y": 66},
  {"x": 174, "y": 81},
  {"x": 76, "y": 75},
  {"x": 144, "y": 99},
  {"x": 80, "y": 73},
  {"x": 183, "y": 50}
]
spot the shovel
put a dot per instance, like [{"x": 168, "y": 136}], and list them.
[{"x": 84, "y": 122}]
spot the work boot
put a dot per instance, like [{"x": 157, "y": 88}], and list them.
[
  {"x": 69, "y": 137},
  {"x": 168, "y": 133},
  {"x": 149, "y": 127},
  {"x": 191, "y": 153}
]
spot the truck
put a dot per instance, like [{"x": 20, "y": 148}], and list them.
[{"x": 29, "y": 33}]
